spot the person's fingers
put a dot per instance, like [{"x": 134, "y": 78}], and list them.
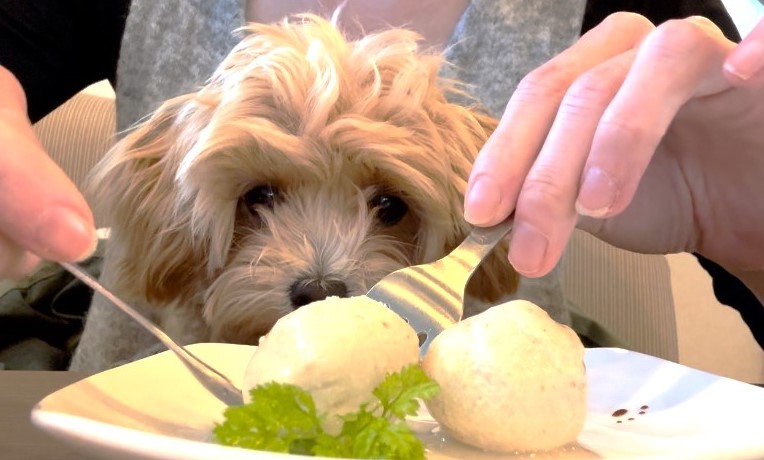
[
  {"x": 545, "y": 213},
  {"x": 41, "y": 210},
  {"x": 745, "y": 64},
  {"x": 15, "y": 261},
  {"x": 679, "y": 60},
  {"x": 500, "y": 168}
]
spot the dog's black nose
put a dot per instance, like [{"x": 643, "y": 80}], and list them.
[{"x": 302, "y": 293}]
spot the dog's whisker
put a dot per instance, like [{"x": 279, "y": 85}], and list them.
[
  {"x": 255, "y": 271},
  {"x": 256, "y": 261}
]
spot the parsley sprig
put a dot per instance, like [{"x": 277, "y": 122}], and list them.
[{"x": 283, "y": 418}]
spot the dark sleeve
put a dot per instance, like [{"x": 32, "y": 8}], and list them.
[
  {"x": 55, "y": 48},
  {"x": 727, "y": 288},
  {"x": 659, "y": 11},
  {"x": 731, "y": 291}
]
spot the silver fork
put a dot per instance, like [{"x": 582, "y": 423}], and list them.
[
  {"x": 211, "y": 379},
  {"x": 431, "y": 296}
]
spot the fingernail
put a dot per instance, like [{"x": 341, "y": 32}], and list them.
[
  {"x": 527, "y": 249},
  {"x": 482, "y": 201},
  {"x": 746, "y": 61},
  {"x": 63, "y": 234},
  {"x": 597, "y": 195}
]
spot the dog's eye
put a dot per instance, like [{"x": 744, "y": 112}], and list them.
[
  {"x": 262, "y": 195},
  {"x": 389, "y": 209}
]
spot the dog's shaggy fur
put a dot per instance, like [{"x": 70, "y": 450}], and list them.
[{"x": 307, "y": 166}]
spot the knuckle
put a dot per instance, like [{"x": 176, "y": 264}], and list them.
[
  {"x": 544, "y": 191},
  {"x": 678, "y": 37},
  {"x": 626, "y": 22},
  {"x": 703, "y": 22},
  {"x": 631, "y": 131},
  {"x": 549, "y": 82},
  {"x": 680, "y": 30},
  {"x": 588, "y": 93}
]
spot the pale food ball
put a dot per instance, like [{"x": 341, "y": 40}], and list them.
[
  {"x": 337, "y": 349},
  {"x": 511, "y": 378}
]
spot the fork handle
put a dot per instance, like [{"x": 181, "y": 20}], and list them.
[
  {"x": 215, "y": 382},
  {"x": 481, "y": 241}
]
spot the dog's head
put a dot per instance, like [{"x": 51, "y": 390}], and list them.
[{"x": 307, "y": 166}]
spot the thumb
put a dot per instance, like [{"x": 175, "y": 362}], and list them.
[
  {"x": 41, "y": 209},
  {"x": 745, "y": 63}
]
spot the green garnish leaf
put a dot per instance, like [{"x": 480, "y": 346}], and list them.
[
  {"x": 399, "y": 392},
  {"x": 283, "y": 418},
  {"x": 385, "y": 439},
  {"x": 280, "y": 418}
]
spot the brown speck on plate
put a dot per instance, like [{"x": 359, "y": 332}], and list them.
[{"x": 620, "y": 412}]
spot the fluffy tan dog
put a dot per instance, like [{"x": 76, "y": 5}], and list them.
[{"x": 307, "y": 166}]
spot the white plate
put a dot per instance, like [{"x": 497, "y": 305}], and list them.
[{"x": 154, "y": 409}]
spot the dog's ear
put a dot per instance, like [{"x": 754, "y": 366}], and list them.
[
  {"x": 152, "y": 250},
  {"x": 495, "y": 278}
]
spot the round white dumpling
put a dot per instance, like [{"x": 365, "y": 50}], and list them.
[
  {"x": 337, "y": 349},
  {"x": 511, "y": 378}
]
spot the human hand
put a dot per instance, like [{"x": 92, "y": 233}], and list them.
[
  {"x": 745, "y": 64},
  {"x": 646, "y": 137},
  {"x": 42, "y": 214}
]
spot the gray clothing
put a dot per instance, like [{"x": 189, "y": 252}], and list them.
[
  {"x": 171, "y": 47},
  {"x": 496, "y": 43}
]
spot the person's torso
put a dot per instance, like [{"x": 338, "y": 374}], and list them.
[{"x": 171, "y": 47}]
